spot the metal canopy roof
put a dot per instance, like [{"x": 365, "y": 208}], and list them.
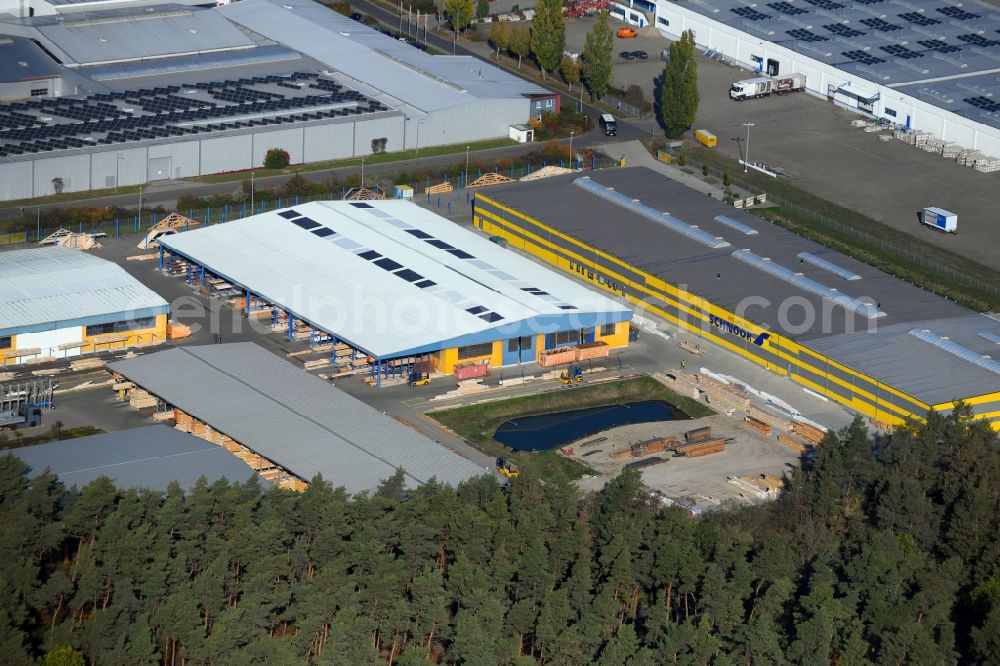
[
  {"x": 54, "y": 287},
  {"x": 914, "y": 45},
  {"x": 151, "y": 457},
  {"x": 291, "y": 417},
  {"x": 880, "y": 347},
  {"x": 421, "y": 80},
  {"x": 392, "y": 278}
]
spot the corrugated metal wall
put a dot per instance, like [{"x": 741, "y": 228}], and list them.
[
  {"x": 74, "y": 170},
  {"x": 390, "y": 128},
  {"x": 185, "y": 158},
  {"x": 130, "y": 169},
  {"x": 329, "y": 142},
  {"x": 227, "y": 153},
  {"x": 287, "y": 139}
]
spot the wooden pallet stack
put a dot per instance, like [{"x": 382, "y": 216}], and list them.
[
  {"x": 85, "y": 364},
  {"x": 968, "y": 157},
  {"x": 776, "y": 422},
  {"x": 950, "y": 151},
  {"x": 490, "y": 178},
  {"x": 758, "y": 425},
  {"x": 657, "y": 445},
  {"x": 792, "y": 443},
  {"x": 140, "y": 398},
  {"x": 987, "y": 165},
  {"x": 440, "y": 188},
  {"x": 932, "y": 145},
  {"x": 810, "y": 434}
]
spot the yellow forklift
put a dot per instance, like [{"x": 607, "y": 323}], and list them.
[
  {"x": 418, "y": 379},
  {"x": 572, "y": 375},
  {"x": 507, "y": 468}
]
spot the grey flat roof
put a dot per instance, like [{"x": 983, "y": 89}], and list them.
[
  {"x": 150, "y": 457},
  {"x": 731, "y": 284},
  {"x": 22, "y": 60},
  {"x": 887, "y": 42},
  {"x": 291, "y": 417}
]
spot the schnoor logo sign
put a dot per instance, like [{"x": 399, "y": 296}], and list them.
[{"x": 738, "y": 331}]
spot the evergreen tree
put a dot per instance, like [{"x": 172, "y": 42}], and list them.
[
  {"x": 597, "y": 57},
  {"x": 679, "y": 98},
  {"x": 548, "y": 35}
]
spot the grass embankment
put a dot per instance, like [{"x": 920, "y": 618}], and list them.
[
  {"x": 478, "y": 423},
  {"x": 863, "y": 238},
  {"x": 16, "y": 440}
]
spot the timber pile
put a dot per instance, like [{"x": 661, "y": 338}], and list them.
[
  {"x": 171, "y": 224},
  {"x": 758, "y": 425},
  {"x": 775, "y": 422},
  {"x": 48, "y": 371},
  {"x": 69, "y": 239},
  {"x": 85, "y": 364},
  {"x": 317, "y": 363},
  {"x": 364, "y": 194},
  {"x": 140, "y": 399},
  {"x": 490, "y": 178},
  {"x": 6, "y": 376},
  {"x": 558, "y": 356},
  {"x": 163, "y": 416},
  {"x": 764, "y": 486},
  {"x": 141, "y": 257},
  {"x": 176, "y": 331},
  {"x": 698, "y": 434},
  {"x": 691, "y": 348},
  {"x": 440, "y": 188},
  {"x": 811, "y": 434},
  {"x": 658, "y": 445},
  {"x": 680, "y": 382},
  {"x": 792, "y": 443},
  {"x": 546, "y": 172},
  {"x": 623, "y": 453},
  {"x": 701, "y": 448}
]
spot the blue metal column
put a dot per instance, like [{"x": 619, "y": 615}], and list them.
[
  {"x": 161, "y": 259},
  {"x": 291, "y": 325},
  {"x": 247, "y": 304},
  {"x": 378, "y": 375}
]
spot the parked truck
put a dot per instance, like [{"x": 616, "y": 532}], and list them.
[
  {"x": 765, "y": 85},
  {"x": 940, "y": 219},
  {"x": 25, "y": 415}
]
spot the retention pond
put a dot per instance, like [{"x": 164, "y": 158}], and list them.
[{"x": 548, "y": 431}]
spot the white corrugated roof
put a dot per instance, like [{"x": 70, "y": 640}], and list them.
[
  {"x": 479, "y": 291},
  {"x": 52, "y": 287},
  {"x": 295, "y": 419},
  {"x": 419, "y": 79}
]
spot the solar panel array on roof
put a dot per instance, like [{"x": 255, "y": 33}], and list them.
[
  {"x": 750, "y": 14},
  {"x": 862, "y": 57},
  {"x": 666, "y": 219},
  {"x": 805, "y": 35},
  {"x": 786, "y": 8},
  {"x": 901, "y": 52},
  {"x": 173, "y": 111},
  {"x": 842, "y": 30},
  {"x": 917, "y": 18}
]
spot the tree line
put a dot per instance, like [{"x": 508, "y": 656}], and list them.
[{"x": 880, "y": 551}]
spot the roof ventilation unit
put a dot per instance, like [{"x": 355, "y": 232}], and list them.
[
  {"x": 992, "y": 337},
  {"x": 666, "y": 219}
]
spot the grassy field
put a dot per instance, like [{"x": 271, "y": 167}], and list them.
[
  {"x": 897, "y": 251},
  {"x": 478, "y": 423}
]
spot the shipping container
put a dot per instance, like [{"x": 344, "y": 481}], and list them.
[
  {"x": 706, "y": 138},
  {"x": 938, "y": 218},
  {"x": 471, "y": 371}
]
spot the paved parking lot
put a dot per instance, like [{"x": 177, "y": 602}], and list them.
[{"x": 812, "y": 141}]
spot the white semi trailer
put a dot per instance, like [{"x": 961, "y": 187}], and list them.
[{"x": 764, "y": 86}]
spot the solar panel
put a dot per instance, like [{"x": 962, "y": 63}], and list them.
[
  {"x": 862, "y": 57},
  {"x": 805, "y": 36},
  {"x": 323, "y": 232},
  {"x": 938, "y": 45},
  {"x": 461, "y": 254},
  {"x": 880, "y": 25},
  {"x": 289, "y": 214},
  {"x": 957, "y": 13},
  {"x": 749, "y": 14},
  {"x": 408, "y": 275},
  {"x": 976, "y": 40},
  {"x": 858, "y": 306},
  {"x": 441, "y": 245},
  {"x": 786, "y": 8},
  {"x": 418, "y": 233},
  {"x": 369, "y": 255},
  {"x": 667, "y": 220},
  {"x": 305, "y": 223},
  {"x": 475, "y": 310},
  {"x": 490, "y": 317},
  {"x": 984, "y": 103},
  {"x": 916, "y": 18},
  {"x": 387, "y": 264},
  {"x": 964, "y": 353},
  {"x": 842, "y": 30},
  {"x": 901, "y": 52},
  {"x": 423, "y": 284},
  {"x": 825, "y": 4}
]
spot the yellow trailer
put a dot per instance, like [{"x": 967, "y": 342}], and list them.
[{"x": 706, "y": 138}]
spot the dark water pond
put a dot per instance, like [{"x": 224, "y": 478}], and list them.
[{"x": 538, "y": 433}]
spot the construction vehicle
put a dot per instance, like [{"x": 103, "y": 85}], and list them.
[
  {"x": 418, "y": 379},
  {"x": 24, "y": 416},
  {"x": 507, "y": 468},
  {"x": 764, "y": 86},
  {"x": 574, "y": 374}
]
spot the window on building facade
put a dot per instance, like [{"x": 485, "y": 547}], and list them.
[
  {"x": 474, "y": 351},
  {"x": 121, "y": 326}
]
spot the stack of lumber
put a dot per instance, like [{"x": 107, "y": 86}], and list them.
[
  {"x": 701, "y": 448},
  {"x": 6, "y": 376},
  {"x": 85, "y": 364},
  {"x": 546, "y": 172},
  {"x": 71, "y": 240},
  {"x": 176, "y": 330},
  {"x": 48, "y": 371},
  {"x": 317, "y": 363},
  {"x": 649, "y": 447},
  {"x": 810, "y": 434},
  {"x": 140, "y": 398},
  {"x": 792, "y": 443},
  {"x": 171, "y": 224},
  {"x": 623, "y": 453},
  {"x": 680, "y": 382},
  {"x": 182, "y": 420},
  {"x": 728, "y": 398},
  {"x": 141, "y": 257},
  {"x": 764, "y": 486},
  {"x": 364, "y": 194},
  {"x": 698, "y": 434},
  {"x": 163, "y": 416},
  {"x": 776, "y": 422},
  {"x": 881, "y": 425},
  {"x": 490, "y": 178},
  {"x": 758, "y": 425},
  {"x": 440, "y": 188},
  {"x": 691, "y": 348}
]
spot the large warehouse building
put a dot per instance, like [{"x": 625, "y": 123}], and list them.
[
  {"x": 828, "y": 322},
  {"x": 924, "y": 64},
  {"x": 56, "y": 302},
  {"x": 402, "y": 286},
  {"x": 168, "y": 91},
  {"x": 288, "y": 424}
]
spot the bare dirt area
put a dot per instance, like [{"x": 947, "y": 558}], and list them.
[{"x": 701, "y": 481}]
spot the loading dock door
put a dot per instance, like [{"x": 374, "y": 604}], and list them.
[{"x": 159, "y": 168}]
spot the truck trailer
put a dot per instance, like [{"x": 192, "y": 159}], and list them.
[
  {"x": 940, "y": 219},
  {"x": 764, "y": 86}
]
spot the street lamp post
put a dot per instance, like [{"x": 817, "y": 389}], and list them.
[
  {"x": 571, "y": 148},
  {"x": 466, "y": 166},
  {"x": 38, "y": 224},
  {"x": 118, "y": 162},
  {"x": 746, "y": 157},
  {"x": 140, "y": 206},
  {"x": 251, "y": 192}
]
